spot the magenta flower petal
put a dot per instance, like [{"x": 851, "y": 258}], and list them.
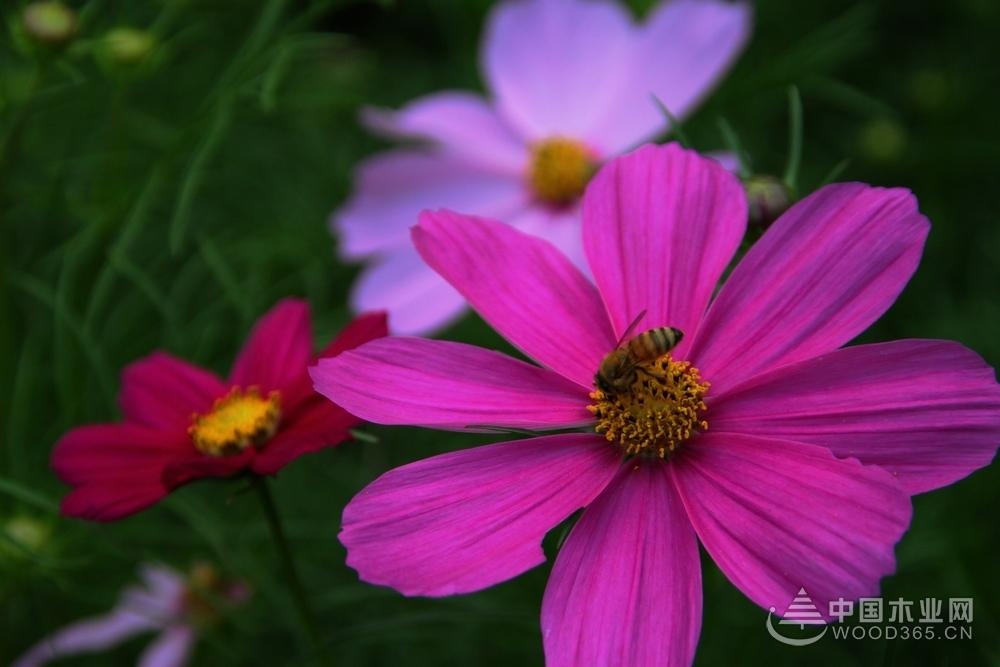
[
  {"x": 278, "y": 348},
  {"x": 626, "y": 586},
  {"x": 116, "y": 468},
  {"x": 171, "y": 649},
  {"x": 524, "y": 287},
  {"x": 556, "y": 66},
  {"x": 417, "y": 299},
  {"x": 659, "y": 227},
  {"x": 683, "y": 50},
  {"x": 926, "y": 411},
  {"x": 820, "y": 275},
  {"x": 777, "y": 516},
  {"x": 461, "y": 123},
  {"x": 393, "y": 187},
  {"x": 162, "y": 391},
  {"x": 447, "y": 385},
  {"x": 463, "y": 521},
  {"x": 299, "y": 394}
]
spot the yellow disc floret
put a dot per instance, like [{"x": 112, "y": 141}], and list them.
[
  {"x": 661, "y": 409},
  {"x": 236, "y": 421},
  {"x": 560, "y": 169}
]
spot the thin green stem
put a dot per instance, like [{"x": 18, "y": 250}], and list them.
[{"x": 291, "y": 572}]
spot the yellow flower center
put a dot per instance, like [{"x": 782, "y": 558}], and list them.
[
  {"x": 661, "y": 408},
  {"x": 236, "y": 421},
  {"x": 205, "y": 594},
  {"x": 560, "y": 169}
]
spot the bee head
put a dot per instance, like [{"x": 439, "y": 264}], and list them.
[{"x": 612, "y": 371}]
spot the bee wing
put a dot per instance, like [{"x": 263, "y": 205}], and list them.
[{"x": 631, "y": 327}]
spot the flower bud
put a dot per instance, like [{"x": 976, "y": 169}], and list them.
[
  {"x": 767, "y": 198},
  {"x": 883, "y": 140},
  {"x": 127, "y": 48},
  {"x": 25, "y": 536},
  {"x": 49, "y": 23}
]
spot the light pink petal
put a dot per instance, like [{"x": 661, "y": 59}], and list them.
[
  {"x": 730, "y": 161},
  {"x": 927, "y": 411},
  {"x": 278, "y": 349},
  {"x": 659, "y": 227},
  {"x": 463, "y": 521},
  {"x": 160, "y": 596},
  {"x": 115, "y": 469},
  {"x": 681, "y": 53},
  {"x": 560, "y": 227},
  {"x": 171, "y": 649},
  {"x": 447, "y": 385},
  {"x": 419, "y": 301},
  {"x": 556, "y": 66},
  {"x": 392, "y": 188},
  {"x": 820, "y": 275},
  {"x": 626, "y": 586},
  {"x": 461, "y": 123},
  {"x": 162, "y": 391},
  {"x": 777, "y": 516},
  {"x": 91, "y": 635},
  {"x": 523, "y": 287}
]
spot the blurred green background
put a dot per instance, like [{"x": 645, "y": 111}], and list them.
[{"x": 167, "y": 200}]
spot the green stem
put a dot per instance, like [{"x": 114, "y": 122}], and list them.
[{"x": 291, "y": 572}]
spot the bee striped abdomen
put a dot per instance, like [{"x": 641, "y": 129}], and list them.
[{"x": 654, "y": 343}]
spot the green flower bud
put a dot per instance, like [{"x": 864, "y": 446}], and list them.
[
  {"x": 127, "y": 47},
  {"x": 25, "y": 535},
  {"x": 50, "y": 23},
  {"x": 767, "y": 198},
  {"x": 883, "y": 140}
]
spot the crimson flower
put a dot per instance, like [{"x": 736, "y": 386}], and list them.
[
  {"x": 790, "y": 458},
  {"x": 183, "y": 422}
]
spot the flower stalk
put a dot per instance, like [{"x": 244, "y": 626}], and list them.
[{"x": 292, "y": 578}]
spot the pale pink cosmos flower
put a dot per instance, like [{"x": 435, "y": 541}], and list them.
[
  {"x": 571, "y": 83},
  {"x": 166, "y": 602},
  {"x": 794, "y": 468}
]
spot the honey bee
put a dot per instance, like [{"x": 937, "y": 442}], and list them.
[{"x": 620, "y": 367}]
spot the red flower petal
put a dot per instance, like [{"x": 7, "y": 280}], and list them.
[
  {"x": 162, "y": 391},
  {"x": 278, "y": 350},
  {"x": 117, "y": 469}
]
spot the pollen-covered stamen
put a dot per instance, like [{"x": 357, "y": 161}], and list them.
[
  {"x": 662, "y": 408},
  {"x": 236, "y": 421},
  {"x": 560, "y": 169}
]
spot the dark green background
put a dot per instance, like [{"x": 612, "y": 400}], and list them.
[{"x": 167, "y": 206}]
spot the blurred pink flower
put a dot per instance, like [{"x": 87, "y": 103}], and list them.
[
  {"x": 791, "y": 460},
  {"x": 166, "y": 603},
  {"x": 184, "y": 423},
  {"x": 571, "y": 84}
]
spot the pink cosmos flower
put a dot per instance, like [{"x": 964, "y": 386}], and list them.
[
  {"x": 790, "y": 458},
  {"x": 571, "y": 84},
  {"x": 166, "y": 602},
  {"x": 183, "y": 422}
]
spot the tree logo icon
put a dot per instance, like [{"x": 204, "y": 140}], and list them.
[{"x": 800, "y": 612}]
